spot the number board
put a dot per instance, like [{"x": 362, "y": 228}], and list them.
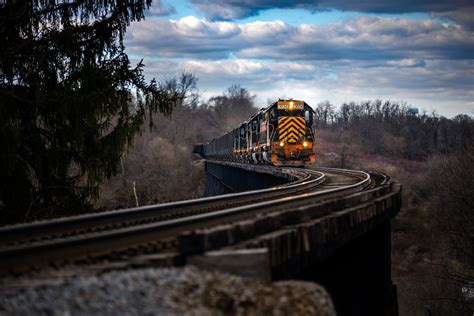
[{"x": 285, "y": 105}]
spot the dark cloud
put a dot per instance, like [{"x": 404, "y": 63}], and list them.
[
  {"x": 160, "y": 8},
  {"x": 464, "y": 16},
  {"x": 234, "y": 9},
  {"x": 395, "y": 6},
  {"x": 460, "y": 11}
]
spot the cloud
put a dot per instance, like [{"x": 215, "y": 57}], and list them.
[
  {"x": 186, "y": 37},
  {"x": 460, "y": 11},
  {"x": 463, "y": 16},
  {"x": 439, "y": 84},
  {"x": 410, "y": 62},
  {"x": 394, "y": 6},
  {"x": 231, "y": 9},
  {"x": 425, "y": 62},
  {"x": 160, "y": 8},
  {"x": 435, "y": 78},
  {"x": 235, "y": 71},
  {"x": 360, "y": 38}
]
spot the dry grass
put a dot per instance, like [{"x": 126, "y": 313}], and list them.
[{"x": 162, "y": 172}]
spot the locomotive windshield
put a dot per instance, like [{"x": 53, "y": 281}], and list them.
[{"x": 290, "y": 112}]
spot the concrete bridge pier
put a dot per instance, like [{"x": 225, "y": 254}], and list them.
[
  {"x": 225, "y": 177},
  {"x": 358, "y": 275}
]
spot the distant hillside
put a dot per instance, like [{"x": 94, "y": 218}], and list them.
[{"x": 433, "y": 235}]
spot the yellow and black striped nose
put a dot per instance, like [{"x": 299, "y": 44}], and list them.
[{"x": 291, "y": 129}]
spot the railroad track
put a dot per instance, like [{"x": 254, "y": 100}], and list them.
[
  {"x": 83, "y": 224},
  {"x": 156, "y": 228}
]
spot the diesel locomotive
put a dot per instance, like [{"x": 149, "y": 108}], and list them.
[{"x": 281, "y": 134}]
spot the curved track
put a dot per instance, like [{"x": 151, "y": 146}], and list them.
[
  {"x": 156, "y": 228},
  {"x": 77, "y": 225}
]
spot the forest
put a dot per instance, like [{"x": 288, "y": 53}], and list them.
[
  {"x": 398, "y": 130},
  {"x": 433, "y": 157}
]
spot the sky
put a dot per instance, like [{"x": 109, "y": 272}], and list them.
[{"x": 414, "y": 51}]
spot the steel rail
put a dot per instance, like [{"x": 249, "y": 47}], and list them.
[
  {"x": 122, "y": 238},
  {"x": 56, "y": 228}
]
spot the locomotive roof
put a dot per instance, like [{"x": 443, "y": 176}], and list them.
[{"x": 264, "y": 110}]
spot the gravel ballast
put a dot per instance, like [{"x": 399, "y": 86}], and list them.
[{"x": 171, "y": 291}]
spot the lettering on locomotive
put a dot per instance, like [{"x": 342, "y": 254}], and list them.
[{"x": 290, "y": 105}]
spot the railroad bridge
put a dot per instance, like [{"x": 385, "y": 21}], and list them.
[
  {"x": 339, "y": 238},
  {"x": 331, "y": 226}
]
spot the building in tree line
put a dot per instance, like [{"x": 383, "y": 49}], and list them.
[{"x": 413, "y": 111}]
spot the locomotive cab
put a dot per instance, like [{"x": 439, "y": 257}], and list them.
[{"x": 292, "y": 143}]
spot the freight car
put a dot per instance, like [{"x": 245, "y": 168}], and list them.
[{"x": 281, "y": 134}]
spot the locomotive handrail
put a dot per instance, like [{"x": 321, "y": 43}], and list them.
[{"x": 273, "y": 132}]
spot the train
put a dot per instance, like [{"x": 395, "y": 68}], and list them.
[{"x": 281, "y": 134}]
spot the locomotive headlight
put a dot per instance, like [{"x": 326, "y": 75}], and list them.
[
  {"x": 305, "y": 144},
  {"x": 282, "y": 144},
  {"x": 291, "y": 105}
]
